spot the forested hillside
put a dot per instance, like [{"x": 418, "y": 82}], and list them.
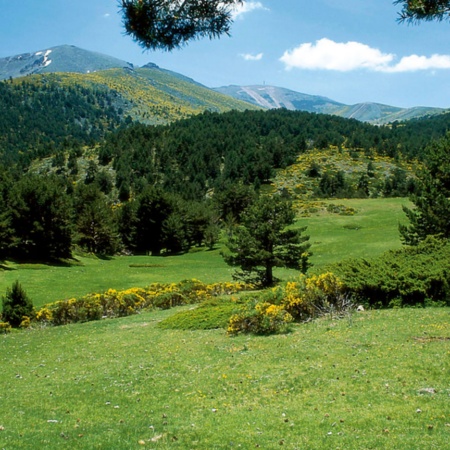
[
  {"x": 39, "y": 117},
  {"x": 101, "y": 181},
  {"x": 41, "y": 114},
  {"x": 212, "y": 150}
]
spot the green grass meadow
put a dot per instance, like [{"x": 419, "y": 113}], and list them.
[
  {"x": 371, "y": 231},
  {"x": 376, "y": 380}
]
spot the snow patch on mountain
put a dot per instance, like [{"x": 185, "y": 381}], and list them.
[{"x": 46, "y": 62}]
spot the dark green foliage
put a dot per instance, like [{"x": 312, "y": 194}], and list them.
[
  {"x": 16, "y": 305},
  {"x": 423, "y": 10},
  {"x": 95, "y": 223},
  {"x": 169, "y": 24},
  {"x": 398, "y": 184},
  {"x": 333, "y": 184},
  {"x": 216, "y": 150},
  {"x": 233, "y": 200},
  {"x": 263, "y": 241},
  {"x": 431, "y": 215},
  {"x": 6, "y": 230},
  {"x": 212, "y": 151},
  {"x": 154, "y": 208},
  {"x": 412, "y": 276},
  {"x": 38, "y": 215},
  {"x": 39, "y": 118}
]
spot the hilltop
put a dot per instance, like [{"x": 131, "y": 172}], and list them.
[{"x": 63, "y": 58}]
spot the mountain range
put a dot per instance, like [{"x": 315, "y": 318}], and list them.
[
  {"x": 157, "y": 95},
  {"x": 277, "y": 97}
]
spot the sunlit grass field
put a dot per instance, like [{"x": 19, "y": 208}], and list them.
[
  {"x": 371, "y": 231},
  {"x": 375, "y": 380}
]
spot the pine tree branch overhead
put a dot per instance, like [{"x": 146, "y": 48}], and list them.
[
  {"x": 414, "y": 11},
  {"x": 171, "y": 24}
]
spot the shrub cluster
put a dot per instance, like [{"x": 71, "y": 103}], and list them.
[
  {"x": 5, "y": 327},
  {"x": 273, "y": 310},
  {"x": 113, "y": 303},
  {"x": 259, "y": 317},
  {"x": 411, "y": 276}
]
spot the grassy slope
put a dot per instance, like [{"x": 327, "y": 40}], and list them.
[
  {"x": 333, "y": 237},
  {"x": 127, "y": 384},
  {"x": 372, "y": 230}
]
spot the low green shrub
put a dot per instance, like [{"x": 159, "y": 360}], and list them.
[
  {"x": 411, "y": 276},
  {"x": 209, "y": 315}
]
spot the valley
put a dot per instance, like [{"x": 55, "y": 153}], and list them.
[{"x": 185, "y": 268}]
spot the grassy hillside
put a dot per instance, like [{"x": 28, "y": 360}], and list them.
[
  {"x": 371, "y": 230},
  {"x": 276, "y": 97},
  {"x": 375, "y": 380}
]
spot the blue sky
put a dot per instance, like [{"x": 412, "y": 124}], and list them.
[{"x": 348, "y": 50}]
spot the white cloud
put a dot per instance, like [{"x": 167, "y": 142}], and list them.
[
  {"x": 250, "y": 57},
  {"x": 246, "y": 7},
  {"x": 326, "y": 54},
  {"x": 330, "y": 55},
  {"x": 106, "y": 15},
  {"x": 415, "y": 62}
]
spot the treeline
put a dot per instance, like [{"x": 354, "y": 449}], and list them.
[
  {"x": 45, "y": 218},
  {"x": 39, "y": 117}
]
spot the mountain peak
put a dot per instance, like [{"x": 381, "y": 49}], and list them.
[
  {"x": 150, "y": 65},
  {"x": 63, "y": 58}
]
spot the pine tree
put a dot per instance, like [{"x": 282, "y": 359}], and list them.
[
  {"x": 263, "y": 241},
  {"x": 16, "y": 305},
  {"x": 39, "y": 215},
  {"x": 431, "y": 213},
  {"x": 423, "y": 10}
]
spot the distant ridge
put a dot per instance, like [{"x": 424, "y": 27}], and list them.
[
  {"x": 277, "y": 97},
  {"x": 63, "y": 58},
  {"x": 194, "y": 97},
  {"x": 150, "y": 94}
]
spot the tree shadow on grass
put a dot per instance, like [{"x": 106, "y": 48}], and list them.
[{"x": 38, "y": 263}]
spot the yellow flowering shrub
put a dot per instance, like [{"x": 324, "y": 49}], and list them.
[
  {"x": 5, "y": 327},
  {"x": 314, "y": 296},
  {"x": 324, "y": 284},
  {"x": 113, "y": 303},
  {"x": 26, "y": 322},
  {"x": 296, "y": 302},
  {"x": 259, "y": 318},
  {"x": 44, "y": 315}
]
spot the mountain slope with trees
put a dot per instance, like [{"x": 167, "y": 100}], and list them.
[{"x": 40, "y": 114}]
